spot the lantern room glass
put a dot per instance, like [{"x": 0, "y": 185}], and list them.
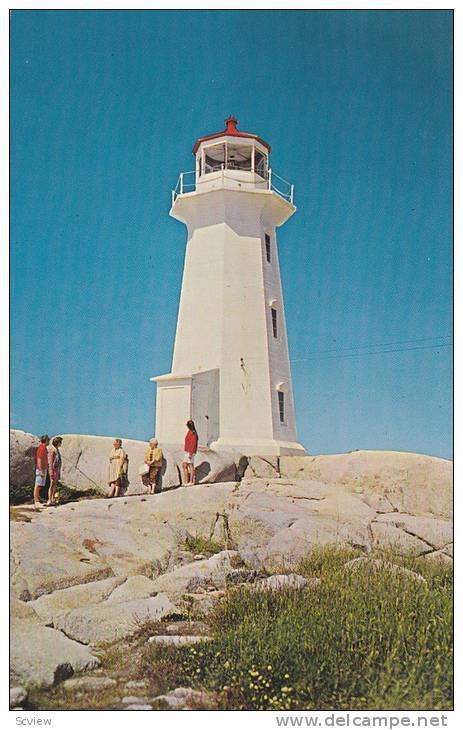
[{"x": 232, "y": 156}]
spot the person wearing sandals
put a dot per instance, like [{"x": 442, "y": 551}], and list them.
[
  {"x": 191, "y": 447},
  {"x": 54, "y": 467},
  {"x": 117, "y": 468},
  {"x": 41, "y": 468},
  {"x": 153, "y": 459}
]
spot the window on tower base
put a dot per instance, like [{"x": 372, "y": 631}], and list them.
[
  {"x": 274, "y": 322},
  {"x": 267, "y": 247},
  {"x": 281, "y": 405}
]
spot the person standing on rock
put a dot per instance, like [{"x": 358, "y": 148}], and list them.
[
  {"x": 191, "y": 447},
  {"x": 41, "y": 468},
  {"x": 117, "y": 468},
  {"x": 153, "y": 459},
  {"x": 54, "y": 467}
]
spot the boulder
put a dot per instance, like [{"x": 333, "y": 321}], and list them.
[
  {"x": 86, "y": 594},
  {"x": 107, "y": 622},
  {"x": 18, "y": 695},
  {"x": 186, "y": 698},
  {"x": 212, "y": 571},
  {"x": 95, "y": 539},
  {"x": 85, "y": 463},
  {"x": 41, "y": 656},
  {"x": 130, "y": 700},
  {"x": 22, "y": 463},
  {"x": 136, "y": 586},
  {"x": 413, "y": 483},
  {"x": 23, "y": 611},
  {"x": 211, "y": 466},
  {"x": 88, "y": 684},
  {"x": 171, "y": 640},
  {"x": 263, "y": 467},
  {"x": 290, "y": 581},
  {"x": 137, "y": 684},
  {"x": 370, "y": 566},
  {"x": 419, "y": 534}
]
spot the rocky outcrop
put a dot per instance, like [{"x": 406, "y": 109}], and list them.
[
  {"x": 22, "y": 458},
  {"x": 96, "y": 570},
  {"x": 203, "y": 574},
  {"x": 403, "y": 482},
  {"x": 86, "y": 594},
  {"x": 186, "y": 698},
  {"x": 41, "y": 656},
  {"x": 108, "y": 622},
  {"x": 85, "y": 463},
  {"x": 366, "y": 565},
  {"x": 288, "y": 581}
]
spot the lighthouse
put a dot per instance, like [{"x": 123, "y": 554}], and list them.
[{"x": 230, "y": 369}]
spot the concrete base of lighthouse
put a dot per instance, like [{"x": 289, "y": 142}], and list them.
[
  {"x": 258, "y": 447},
  {"x": 196, "y": 396}
]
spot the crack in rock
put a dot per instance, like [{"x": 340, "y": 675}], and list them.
[{"x": 313, "y": 499}]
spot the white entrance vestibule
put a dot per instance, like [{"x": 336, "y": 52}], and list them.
[{"x": 230, "y": 369}]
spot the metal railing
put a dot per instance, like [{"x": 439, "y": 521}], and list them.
[{"x": 186, "y": 183}]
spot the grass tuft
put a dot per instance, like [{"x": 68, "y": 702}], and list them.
[{"x": 203, "y": 545}]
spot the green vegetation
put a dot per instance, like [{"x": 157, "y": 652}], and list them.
[
  {"x": 25, "y": 494},
  {"x": 203, "y": 545},
  {"x": 357, "y": 640}
]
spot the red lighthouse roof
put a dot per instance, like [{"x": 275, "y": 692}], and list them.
[{"x": 230, "y": 131}]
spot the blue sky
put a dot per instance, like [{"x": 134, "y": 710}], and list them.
[{"x": 357, "y": 105}]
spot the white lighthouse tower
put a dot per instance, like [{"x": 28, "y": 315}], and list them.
[{"x": 230, "y": 369}]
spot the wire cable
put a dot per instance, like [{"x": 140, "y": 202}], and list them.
[{"x": 376, "y": 352}]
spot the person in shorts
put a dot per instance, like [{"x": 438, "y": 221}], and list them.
[
  {"x": 41, "y": 468},
  {"x": 191, "y": 447}
]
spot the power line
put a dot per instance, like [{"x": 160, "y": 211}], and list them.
[
  {"x": 377, "y": 352},
  {"x": 377, "y": 344}
]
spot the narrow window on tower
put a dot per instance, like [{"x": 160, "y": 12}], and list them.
[
  {"x": 274, "y": 322},
  {"x": 281, "y": 405},
  {"x": 267, "y": 247}
]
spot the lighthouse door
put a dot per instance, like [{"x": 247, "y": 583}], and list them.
[{"x": 205, "y": 405}]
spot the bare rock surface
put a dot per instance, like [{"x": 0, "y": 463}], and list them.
[
  {"x": 187, "y": 578},
  {"x": 172, "y": 640},
  {"x": 136, "y": 586},
  {"x": 23, "y": 446},
  {"x": 85, "y": 463},
  {"x": 413, "y": 483},
  {"x": 23, "y": 611},
  {"x": 290, "y": 581},
  {"x": 85, "y": 684},
  {"x": 372, "y": 566},
  {"x": 186, "y": 698},
  {"x": 42, "y": 656},
  {"x": 18, "y": 695},
  {"x": 95, "y": 569},
  {"x": 86, "y": 594},
  {"x": 108, "y": 622}
]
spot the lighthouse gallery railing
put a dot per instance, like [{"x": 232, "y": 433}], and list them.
[{"x": 186, "y": 183}]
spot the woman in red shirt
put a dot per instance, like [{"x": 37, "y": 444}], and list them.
[
  {"x": 41, "y": 468},
  {"x": 191, "y": 447}
]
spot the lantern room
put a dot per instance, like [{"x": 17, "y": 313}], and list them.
[{"x": 233, "y": 155}]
